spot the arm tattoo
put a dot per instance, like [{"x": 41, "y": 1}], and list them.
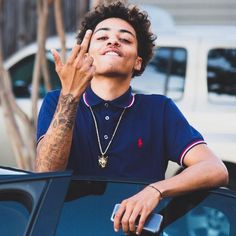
[
  {"x": 54, "y": 148},
  {"x": 66, "y": 110}
]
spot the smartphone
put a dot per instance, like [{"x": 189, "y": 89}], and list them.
[{"x": 152, "y": 224}]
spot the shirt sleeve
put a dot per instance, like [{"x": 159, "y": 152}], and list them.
[
  {"x": 46, "y": 113},
  {"x": 180, "y": 136}
]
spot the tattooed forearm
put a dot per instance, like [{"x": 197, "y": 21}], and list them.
[
  {"x": 66, "y": 111},
  {"x": 53, "y": 150}
]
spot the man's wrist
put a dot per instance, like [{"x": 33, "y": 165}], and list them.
[{"x": 157, "y": 190}]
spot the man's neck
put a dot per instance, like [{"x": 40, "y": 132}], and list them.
[{"x": 109, "y": 88}]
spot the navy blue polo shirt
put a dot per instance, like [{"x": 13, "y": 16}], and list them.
[{"x": 152, "y": 131}]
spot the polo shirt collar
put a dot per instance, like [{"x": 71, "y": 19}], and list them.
[{"x": 124, "y": 101}]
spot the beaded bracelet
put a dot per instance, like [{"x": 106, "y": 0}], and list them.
[{"x": 151, "y": 186}]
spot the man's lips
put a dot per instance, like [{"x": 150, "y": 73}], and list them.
[{"x": 112, "y": 52}]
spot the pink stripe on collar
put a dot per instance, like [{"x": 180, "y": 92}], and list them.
[
  {"x": 132, "y": 102},
  {"x": 87, "y": 104},
  {"x": 85, "y": 100}
]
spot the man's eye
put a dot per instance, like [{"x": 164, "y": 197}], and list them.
[
  {"x": 103, "y": 38},
  {"x": 125, "y": 40}
]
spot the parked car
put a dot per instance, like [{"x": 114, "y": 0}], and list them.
[
  {"x": 194, "y": 65},
  {"x": 62, "y": 204}
]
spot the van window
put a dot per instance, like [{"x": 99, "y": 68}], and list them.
[
  {"x": 165, "y": 74},
  {"x": 221, "y": 75},
  {"x": 21, "y": 74}
]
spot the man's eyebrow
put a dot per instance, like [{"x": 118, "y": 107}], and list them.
[
  {"x": 126, "y": 31},
  {"x": 121, "y": 30}
]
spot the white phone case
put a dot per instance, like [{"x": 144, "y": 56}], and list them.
[{"x": 152, "y": 224}]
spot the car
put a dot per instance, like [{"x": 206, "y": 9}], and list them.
[
  {"x": 59, "y": 203},
  {"x": 193, "y": 65}
]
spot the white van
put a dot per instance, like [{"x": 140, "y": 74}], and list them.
[{"x": 194, "y": 65}]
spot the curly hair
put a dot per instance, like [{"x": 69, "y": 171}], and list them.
[{"x": 137, "y": 19}]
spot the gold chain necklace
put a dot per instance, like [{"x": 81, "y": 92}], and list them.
[{"x": 103, "y": 158}]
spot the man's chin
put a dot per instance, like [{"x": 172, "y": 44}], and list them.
[{"x": 113, "y": 74}]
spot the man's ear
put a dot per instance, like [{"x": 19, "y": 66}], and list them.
[{"x": 138, "y": 64}]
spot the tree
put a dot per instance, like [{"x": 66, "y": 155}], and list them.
[
  {"x": 41, "y": 67},
  {"x": 25, "y": 148}
]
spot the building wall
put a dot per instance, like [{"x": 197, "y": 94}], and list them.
[{"x": 203, "y": 12}]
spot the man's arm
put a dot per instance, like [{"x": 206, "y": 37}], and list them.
[
  {"x": 75, "y": 75},
  {"x": 204, "y": 170},
  {"x": 53, "y": 149}
]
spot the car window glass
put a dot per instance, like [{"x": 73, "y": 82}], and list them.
[
  {"x": 13, "y": 217},
  {"x": 21, "y": 74},
  {"x": 88, "y": 210},
  {"x": 201, "y": 220},
  {"x": 221, "y": 76},
  {"x": 165, "y": 74},
  {"x": 200, "y": 214}
]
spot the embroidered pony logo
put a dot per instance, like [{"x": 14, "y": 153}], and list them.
[{"x": 140, "y": 143}]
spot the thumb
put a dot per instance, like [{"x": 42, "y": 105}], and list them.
[{"x": 57, "y": 59}]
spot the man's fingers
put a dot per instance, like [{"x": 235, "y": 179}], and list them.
[
  {"x": 118, "y": 217},
  {"x": 57, "y": 59},
  {"x": 78, "y": 51},
  {"x": 88, "y": 62},
  {"x": 141, "y": 223},
  {"x": 125, "y": 219},
  {"x": 83, "y": 49},
  {"x": 74, "y": 54},
  {"x": 133, "y": 218},
  {"x": 86, "y": 41},
  {"x": 92, "y": 70}
]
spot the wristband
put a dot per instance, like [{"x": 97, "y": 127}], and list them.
[{"x": 151, "y": 186}]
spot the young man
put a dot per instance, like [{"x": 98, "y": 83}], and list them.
[{"x": 95, "y": 126}]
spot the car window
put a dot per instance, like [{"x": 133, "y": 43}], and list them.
[
  {"x": 221, "y": 75},
  {"x": 165, "y": 74},
  {"x": 13, "y": 217},
  {"x": 89, "y": 206},
  {"x": 202, "y": 214},
  {"x": 21, "y": 74},
  {"x": 90, "y": 211}
]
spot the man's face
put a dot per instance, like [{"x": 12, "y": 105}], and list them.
[{"x": 114, "y": 48}]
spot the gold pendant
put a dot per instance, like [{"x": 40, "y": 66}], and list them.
[{"x": 102, "y": 161}]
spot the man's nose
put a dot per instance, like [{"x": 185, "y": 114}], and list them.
[{"x": 113, "y": 41}]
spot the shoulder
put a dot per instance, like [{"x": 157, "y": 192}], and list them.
[
  {"x": 51, "y": 98},
  {"x": 53, "y": 95},
  {"x": 152, "y": 99},
  {"x": 159, "y": 104}
]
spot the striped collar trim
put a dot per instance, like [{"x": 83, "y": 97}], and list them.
[
  {"x": 112, "y": 102},
  {"x": 85, "y": 100},
  {"x": 190, "y": 146}
]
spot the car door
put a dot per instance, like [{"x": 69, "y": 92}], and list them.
[
  {"x": 89, "y": 204},
  {"x": 62, "y": 204},
  {"x": 30, "y": 203}
]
